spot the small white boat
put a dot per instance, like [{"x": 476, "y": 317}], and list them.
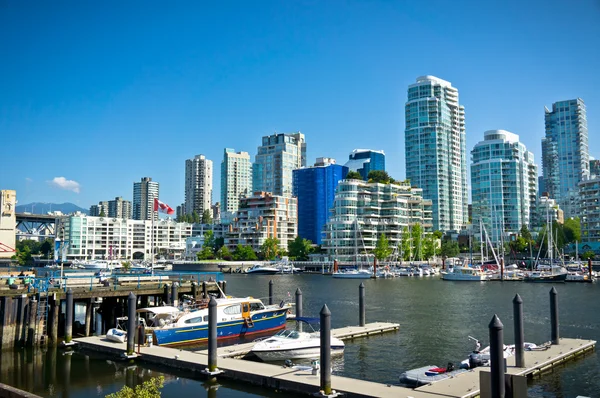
[
  {"x": 261, "y": 269},
  {"x": 118, "y": 334},
  {"x": 460, "y": 273},
  {"x": 352, "y": 274},
  {"x": 294, "y": 344}
]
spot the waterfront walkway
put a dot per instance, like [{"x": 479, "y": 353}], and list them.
[{"x": 290, "y": 379}]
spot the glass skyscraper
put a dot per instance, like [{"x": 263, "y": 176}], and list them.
[
  {"x": 565, "y": 156},
  {"x": 315, "y": 189},
  {"x": 236, "y": 179},
  {"x": 435, "y": 148},
  {"x": 503, "y": 184},
  {"x": 278, "y": 155},
  {"x": 365, "y": 160}
]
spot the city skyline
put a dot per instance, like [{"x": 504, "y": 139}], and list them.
[{"x": 108, "y": 108}]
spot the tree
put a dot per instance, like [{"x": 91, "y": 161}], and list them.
[
  {"x": 206, "y": 217},
  {"x": 429, "y": 246},
  {"x": 209, "y": 239},
  {"x": 23, "y": 256},
  {"x": 417, "y": 238},
  {"x": 205, "y": 254},
  {"x": 382, "y": 248},
  {"x": 219, "y": 242},
  {"x": 525, "y": 234},
  {"x": 587, "y": 255},
  {"x": 102, "y": 213},
  {"x": 405, "y": 247},
  {"x": 353, "y": 175},
  {"x": 195, "y": 217},
  {"x": 572, "y": 230},
  {"x": 244, "y": 253},
  {"x": 449, "y": 249},
  {"x": 300, "y": 248},
  {"x": 47, "y": 248},
  {"x": 149, "y": 389},
  {"x": 224, "y": 253},
  {"x": 126, "y": 266},
  {"x": 270, "y": 248},
  {"x": 379, "y": 176}
]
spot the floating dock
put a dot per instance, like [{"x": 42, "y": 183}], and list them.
[{"x": 301, "y": 381}]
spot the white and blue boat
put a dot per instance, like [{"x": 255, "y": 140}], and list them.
[{"x": 237, "y": 317}]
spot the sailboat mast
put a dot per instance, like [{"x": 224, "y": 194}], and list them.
[{"x": 481, "y": 243}]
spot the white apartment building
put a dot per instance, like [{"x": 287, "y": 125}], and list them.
[
  {"x": 198, "y": 185},
  {"x": 8, "y": 222},
  {"x": 236, "y": 179},
  {"x": 119, "y": 208},
  {"x": 363, "y": 211}
]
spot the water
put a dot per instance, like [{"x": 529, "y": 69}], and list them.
[{"x": 435, "y": 319}]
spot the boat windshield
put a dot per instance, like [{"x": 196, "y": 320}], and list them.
[{"x": 288, "y": 334}]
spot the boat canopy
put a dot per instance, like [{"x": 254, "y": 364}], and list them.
[{"x": 159, "y": 310}]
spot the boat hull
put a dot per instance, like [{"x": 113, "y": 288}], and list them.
[
  {"x": 473, "y": 278},
  {"x": 546, "y": 278},
  {"x": 262, "y": 322},
  {"x": 295, "y": 353},
  {"x": 263, "y": 272}
]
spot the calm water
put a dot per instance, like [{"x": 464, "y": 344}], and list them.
[{"x": 435, "y": 319}]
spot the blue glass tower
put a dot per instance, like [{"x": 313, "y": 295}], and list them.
[
  {"x": 366, "y": 160},
  {"x": 315, "y": 189}
]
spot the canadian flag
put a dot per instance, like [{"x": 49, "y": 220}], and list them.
[{"x": 162, "y": 207}]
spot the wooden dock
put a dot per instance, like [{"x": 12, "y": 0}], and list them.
[{"x": 300, "y": 381}]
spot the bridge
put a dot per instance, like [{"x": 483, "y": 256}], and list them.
[{"x": 35, "y": 226}]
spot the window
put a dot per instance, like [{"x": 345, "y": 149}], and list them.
[{"x": 233, "y": 309}]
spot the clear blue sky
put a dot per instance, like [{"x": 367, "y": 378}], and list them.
[{"x": 103, "y": 94}]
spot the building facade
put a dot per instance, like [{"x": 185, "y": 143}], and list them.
[
  {"x": 547, "y": 209},
  {"x": 565, "y": 153},
  {"x": 236, "y": 178},
  {"x": 503, "y": 184},
  {"x": 198, "y": 184},
  {"x": 364, "y": 161},
  {"x": 263, "y": 215},
  {"x": 315, "y": 189},
  {"x": 589, "y": 209},
  {"x": 100, "y": 208},
  {"x": 144, "y": 193},
  {"x": 8, "y": 222},
  {"x": 363, "y": 211},
  {"x": 435, "y": 147},
  {"x": 119, "y": 208},
  {"x": 278, "y": 155}
]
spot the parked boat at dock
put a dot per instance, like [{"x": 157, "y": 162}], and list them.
[
  {"x": 352, "y": 273},
  {"x": 236, "y": 317},
  {"x": 462, "y": 273},
  {"x": 260, "y": 269}
]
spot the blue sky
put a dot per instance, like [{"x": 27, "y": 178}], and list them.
[{"x": 95, "y": 96}]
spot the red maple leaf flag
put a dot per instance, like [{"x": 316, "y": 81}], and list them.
[{"x": 162, "y": 207}]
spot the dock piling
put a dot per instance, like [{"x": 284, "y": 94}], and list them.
[
  {"x": 325, "y": 351},
  {"x": 69, "y": 317},
  {"x": 554, "y": 315},
  {"x": 212, "y": 335},
  {"x": 131, "y": 329},
  {"x": 174, "y": 294},
  {"x": 497, "y": 357},
  {"x": 361, "y": 305},
  {"x": 298, "y": 303},
  {"x": 224, "y": 288},
  {"x": 166, "y": 295},
  {"x": 519, "y": 333},
  {"x": 204, "y": 290},
  {"x": 271, "y": 292},
  {"x": 590, "y": 275},
  {"x": 194, "y": 290}
]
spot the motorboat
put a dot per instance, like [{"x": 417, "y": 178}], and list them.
[
  {"x": 102, "y": 264},
  {"x": 555, "y": 274},
  {"x": 295, "y": 344},
  {"x": 463, "y": 273},
  {"x": 428, "y": 374},
  {"x": 260, "y": 269},
  {"x": 352, "y": 273},
  {"x": 404, "y": 271},
  {"x": 237, "y": 317}
]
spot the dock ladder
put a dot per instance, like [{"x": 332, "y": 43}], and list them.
[
  {"x": 41, "y": 333},
  {"x": 249, "y": 322}
]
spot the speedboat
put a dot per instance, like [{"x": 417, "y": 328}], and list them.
[
  {"x": 460, "y": 273},
  {"x": 261, "y": 269},
  {"x": 102, "y": 264},
  {"x": 295, "y": 344},
  {"x": 352, "y": 273},
  {"x": 237, "y": 317}
]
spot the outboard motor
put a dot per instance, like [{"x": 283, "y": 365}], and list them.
[{"x": 475, "y": 360}]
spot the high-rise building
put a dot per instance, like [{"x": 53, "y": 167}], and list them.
[
  {"x": 119, "y": 208},
  {"x": 144, "y": 193},
  {"x": 365, "y": 160},
  {"x": 315, "y": 189},
  {"x": 100, "y": 209},
  {"x": 435, "y": 147},
  {"x": 589, "y": 209},
  {"x": 503, "y": 184},
  {"x": 565, "y": 156},
  {"x": 236, "y": 179},
  {"x": 198, "y": 185},
  {"x": 594, "y": 168},
  {"x": 278, "y": 155},
  {"x": 8, "y": 202}
]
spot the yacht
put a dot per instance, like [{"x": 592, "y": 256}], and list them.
[
  {"x": 293, "y": 344},
  {"x": 261, "y": 269},
  {"x": 102, "y": 264},
  {"x": 352, "y": 273},
  {"x": 462, "y": 273}
]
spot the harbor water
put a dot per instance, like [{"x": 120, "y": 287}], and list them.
[{"x": 436, "y": 317}]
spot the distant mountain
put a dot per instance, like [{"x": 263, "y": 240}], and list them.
[{"x": 44, "y": 208}]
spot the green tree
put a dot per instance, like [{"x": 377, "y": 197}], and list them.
[
  {"x": 270, "y": 248},
  {"x": 572, "y": 230},
  {"x": 23, "y": 256},
  {"x": 353, "y": 175},
  {"x": 405, "y": 246},
  {"x": 205, "y": 254},
  {"x": 149, "y": 389},
  {"x": 417, "y": 238},
  {"x": 379, "y": 176},
  {"x": 219, "y": 242},
  {"x": 224, "y": 253},
  {"x": 209, "y": 240},
  {"x": 525, "y": 234},
  {"x": 438, "y": 234},
  {"x": 206, "y": 217},
  {"x": 587, "y": 255},
  {"x": 449, "y": 249},
  {"x": 47, "y": 248},
  {"x": 126, "y": 266},
  {"x": 299, "y": 249},
  {"x": 429, "y": 246},
  {"x": 382, "y": 248},
  {"x": 244, "y": 253},
  {"x": 102, "y": 213}
]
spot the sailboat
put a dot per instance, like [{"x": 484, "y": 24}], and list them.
[{"x": 353, "y": 273}]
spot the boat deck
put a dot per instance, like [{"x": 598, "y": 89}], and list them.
[{"x": 301, "y": 381}]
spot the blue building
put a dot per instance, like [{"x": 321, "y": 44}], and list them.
[
  {"x": 365, "y": 161},
  {"x": 315, "y": 189}
]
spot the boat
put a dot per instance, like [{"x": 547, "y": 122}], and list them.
[
  {"x": 295, "y": 344},
  {"x": 101, "y": 264},
  {"x": 479, "y": 358},
  {"x": 464, "y": 273},
  {"x": 428, "y": 374},
  {"x": 237, "y": 317},
  {"x": 260, "y": 269},
  {"x": 545, "y": 276},
  {"x": 118, "y": 334},
  {"x": 352, "y": 273}
]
